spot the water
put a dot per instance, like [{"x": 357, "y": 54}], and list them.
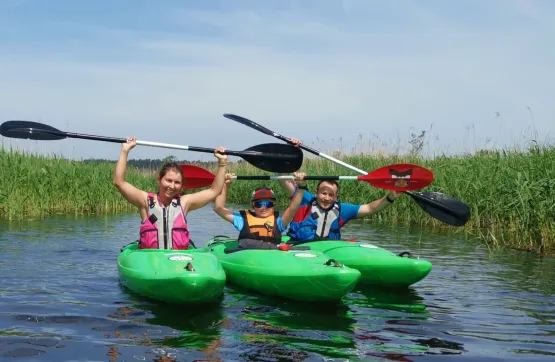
[{"x": 60, "y": 300}]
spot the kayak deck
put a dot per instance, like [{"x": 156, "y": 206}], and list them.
[
  {"x": 377, "y": 265},
  {"x": 303, "y": 275},
  {"x": 173, "y": 276}
]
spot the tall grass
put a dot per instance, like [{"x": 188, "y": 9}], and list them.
[
  {"x": 511, "y": 193},
  {"x": 34, "y": 186}
]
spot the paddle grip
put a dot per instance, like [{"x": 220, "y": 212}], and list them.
[
  {"x": 208, "y": 150},
  {"x": 322, "y": 178}
]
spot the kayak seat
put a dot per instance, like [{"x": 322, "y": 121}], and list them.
[
  {"x": 218, "y": 239},
  {"x": 233, "y": 250}
]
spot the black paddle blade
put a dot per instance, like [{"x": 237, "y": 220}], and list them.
[
  {"x": 444, "y": 208},
  {"x": 249, "y": 123},
  {"x": 291, "y": 163},
  {"x": 31, "y": 130}
]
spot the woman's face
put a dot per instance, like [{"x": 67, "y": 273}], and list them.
[{"x": 170, "y": 183}]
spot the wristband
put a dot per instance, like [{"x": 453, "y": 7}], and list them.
[
  {"x": 389, "y": 199},
  {"x": 303, "y": 187},
  {"x": 222, "y": 164}
]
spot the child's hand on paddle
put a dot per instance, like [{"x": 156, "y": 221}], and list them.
[{"x": 229, "y": 178}]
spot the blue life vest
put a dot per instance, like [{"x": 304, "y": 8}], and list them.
[{"x": 312, "y": 222}]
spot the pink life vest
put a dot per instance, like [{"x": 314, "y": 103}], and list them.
[{"x": 165, "y": 227}]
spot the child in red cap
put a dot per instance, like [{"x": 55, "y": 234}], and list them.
[{"x": 261, "y": 227}]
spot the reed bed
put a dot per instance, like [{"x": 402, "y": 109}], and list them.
[
  {"x": 33, "y": 186},
  {"x": 511, "y": 193}
]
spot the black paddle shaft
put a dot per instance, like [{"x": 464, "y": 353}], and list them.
[
  {"x": 42, "y": 132},
  {"x": 260, "y": 128},
  {"x": 272, "y": 157},
  {"x": 307, "y": 178}
]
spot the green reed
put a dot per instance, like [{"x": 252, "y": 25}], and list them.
[
  {"x": 511, "y": 193},
  {"x": 33, "y": 186}
]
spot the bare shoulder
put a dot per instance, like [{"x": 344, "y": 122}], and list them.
[{"x": 144, "y": 198}]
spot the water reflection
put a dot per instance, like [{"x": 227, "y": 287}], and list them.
[
  {"x": 167, "y": 325},
  {"x": 290, "y": 329},
  {"x": 403, "y": 300}
]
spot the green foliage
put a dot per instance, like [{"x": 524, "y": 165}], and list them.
[{"x": 34, "y": 186}]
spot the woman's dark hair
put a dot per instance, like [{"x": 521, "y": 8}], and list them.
[{"x": 170, "y": 166}]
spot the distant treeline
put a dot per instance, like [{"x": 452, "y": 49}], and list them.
[{"x": 150, "y": 164}]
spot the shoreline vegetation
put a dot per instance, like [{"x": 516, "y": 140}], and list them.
[{"x": 511, "y": 193}]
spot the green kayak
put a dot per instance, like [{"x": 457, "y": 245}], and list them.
[
  {"x": 378, "y": 266},
  {"x": 297, "y": 274},
  {"x": 173, "y": 276}
]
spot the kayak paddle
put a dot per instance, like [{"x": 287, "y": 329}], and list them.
[
  {"x": 409, "y": 177},
  {"x": 272, "y": 157},
  {"x": 440, "y": 206}
]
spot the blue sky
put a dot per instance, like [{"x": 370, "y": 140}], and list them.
[{"x": 351, "y": 74}]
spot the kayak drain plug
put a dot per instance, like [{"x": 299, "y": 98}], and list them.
[{"x": 189, "y": 267}]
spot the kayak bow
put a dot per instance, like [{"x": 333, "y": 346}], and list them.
[
  {"x": 297, "y": 274},
  {"x": 173, "y": 276}
]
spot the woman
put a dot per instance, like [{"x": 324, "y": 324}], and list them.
[{"x": 163, "y": 215}]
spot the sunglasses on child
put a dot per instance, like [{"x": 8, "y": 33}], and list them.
[{"x": 267, "y": 204}]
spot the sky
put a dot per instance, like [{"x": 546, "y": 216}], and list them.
[{"x": 350, "y": 75}]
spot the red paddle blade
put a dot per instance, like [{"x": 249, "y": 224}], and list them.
[
  {"x": 195, "y": 177},
  {"x": 399, "y": 177}
]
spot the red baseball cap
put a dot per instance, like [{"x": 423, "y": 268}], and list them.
[{"x": 263, "y": 193}]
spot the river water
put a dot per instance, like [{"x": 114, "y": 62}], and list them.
[{"x": 60, "y": 300}]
